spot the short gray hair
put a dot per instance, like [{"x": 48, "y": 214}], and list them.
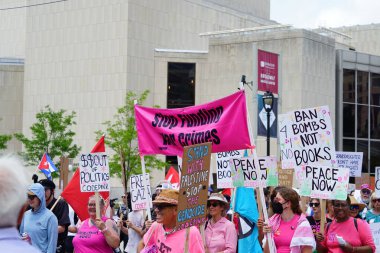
[{"x": 13, "y": 187}]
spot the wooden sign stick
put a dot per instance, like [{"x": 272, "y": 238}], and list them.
[
  {"x": 323, "y": 215},
  {"x": 55, "y": 203},
  {"x": 97, "y": 205}
]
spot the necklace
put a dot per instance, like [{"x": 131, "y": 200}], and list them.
[{"x": 168, "y": 232}]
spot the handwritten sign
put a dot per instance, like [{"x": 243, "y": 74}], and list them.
[
  {"x": 375, "y": 229},
  {"x": 141, "y": 197},
  {"x": 377, "y": 181},
  {"x": 323, "y": 182},
  {"x": 223, "y": 168},
  {"x": 94, "y": 172},
  {"x": 286, "y": 152},
  {"x": 351, "y": 160},
  {"x": 192, "y": 201},
  {"x": 254, "y": 173},
  {"x": 285, "y": 177},
  {"x": 309, "y": 135}
]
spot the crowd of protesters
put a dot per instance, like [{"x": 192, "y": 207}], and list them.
[{"x": 49, "y": 225}]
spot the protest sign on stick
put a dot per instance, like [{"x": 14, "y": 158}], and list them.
[
  {"x": 141, "y": 197},
  {"x": 323, "y": 182},
  {"x": 94, "y": 172},
  {"x": 192, "y": 200},
  {"x": 351, "y": 160},
  {"x": 286, "y": 152},
  {"x": 285, "y": 177},
  {"x": 377, "y": 181},
  {"x": 308, "y": 134},
  {"x": 223, "y": 168}
]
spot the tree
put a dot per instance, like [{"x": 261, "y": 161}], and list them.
[
  {"x": 121, "y": 137},
  {"x": 3, "y": 140},
  {"x": 51, "y": 133}
]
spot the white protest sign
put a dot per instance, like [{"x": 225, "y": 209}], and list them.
[
  {"x": 323, "y": 182},
  {"x": 377, "y": 181},
  {"x": 310, "y": 136},
  {"x": 252, "y": 173},
  {"x": 140, "y": 192},
  {"x": 375, "y": 229},
  {"x": 223, "y": 168},
  {"x": 286, "y": 153},
  {"x": 94, "y": 172},
  {"x": 351, "y": 160}
]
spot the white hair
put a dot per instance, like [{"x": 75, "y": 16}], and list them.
[{"x": 13, "y": 187}]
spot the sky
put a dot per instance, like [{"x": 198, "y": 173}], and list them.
[{"x": 327, "y": 13}]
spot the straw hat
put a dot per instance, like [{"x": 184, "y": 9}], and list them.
[
  {"x": 355, "y": 202},
  {"x": 218, "y": 197},
  {"x": 167, "y": 196}
]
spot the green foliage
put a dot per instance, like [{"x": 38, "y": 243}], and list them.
[
  {"x": 121, "y": 137},
  {"x": 3, "y": 140},
  {"x": 51, "y": 133}
]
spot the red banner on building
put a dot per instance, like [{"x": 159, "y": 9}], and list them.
[{"x": 267, "y": 67}]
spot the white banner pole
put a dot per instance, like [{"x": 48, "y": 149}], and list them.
[{"x": 261, "y": 191}]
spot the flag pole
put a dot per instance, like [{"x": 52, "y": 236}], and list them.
[
  {"x": 261, "y": 191},
  {"x": 144, "y": 182}
]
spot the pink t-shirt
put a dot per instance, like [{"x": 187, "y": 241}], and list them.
[
  {"x": 221, "y": 236},
  {"x": 90, "y": 239},
  {"x": 284, "y": 234},
  {"x": 356, "y": 237},
  {"x": 173, "y": 243}
]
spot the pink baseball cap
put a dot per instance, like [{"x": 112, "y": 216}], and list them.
[{"x": 365, "y": 186}]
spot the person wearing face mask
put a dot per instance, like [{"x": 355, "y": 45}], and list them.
[{"x": 289, "y": 227}]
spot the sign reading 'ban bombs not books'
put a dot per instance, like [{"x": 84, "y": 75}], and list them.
[
  {"x": 306, "y": 137},
  {"x": 193, "y": 185}
]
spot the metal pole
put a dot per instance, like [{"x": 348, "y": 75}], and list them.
[{"x": 268, "y": 133}]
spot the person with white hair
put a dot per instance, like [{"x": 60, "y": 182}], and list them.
[{"x": 13, "y": 185}]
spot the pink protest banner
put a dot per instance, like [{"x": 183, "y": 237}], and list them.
[{"x": 166, "y": 131}]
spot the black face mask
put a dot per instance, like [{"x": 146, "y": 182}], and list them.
[{"x": 277, "y": 207}]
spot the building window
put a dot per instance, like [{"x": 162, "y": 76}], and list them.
[{"x": 180, "y": 91}]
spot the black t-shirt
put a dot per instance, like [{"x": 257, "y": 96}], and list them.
[
  {"x": 316, "y": 224},
  {"x": 61, "y": 211}
]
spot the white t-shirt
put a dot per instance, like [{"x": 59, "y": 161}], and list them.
[{"x": 137, "y": 219}]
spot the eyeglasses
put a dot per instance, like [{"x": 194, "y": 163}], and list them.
[
  {"x": 314, "y": 204},
  {"x": 366, "y": 191},
  {"x": 161, "y": 207},
  {"x": 213, "y": 204},
  {"x": 376, "y": 200},
  {"x": 31, "y": 197},
  {"x": 354, "y": 208},
  {"x": 123, "y": 197},
  {"x": 340, "y": 205},
  {"x": 91, "y": 204}
]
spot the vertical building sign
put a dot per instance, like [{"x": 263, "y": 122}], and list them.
[{"x": 267, "y": 67}]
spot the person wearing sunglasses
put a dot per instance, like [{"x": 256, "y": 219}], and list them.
[
  {"x": 345, "y": 234},
  {"x": 315, "y": 219},
  {"x": 39, "y": 223},
  {"x": 162, "y": 236},
  {"x": 290, "y": 229},
  {"x": 365, "y": 195},
  {"x": 355, "y": 208},
  {"x": 220, "y": 233},
  {"x": 373, "y": 215}
]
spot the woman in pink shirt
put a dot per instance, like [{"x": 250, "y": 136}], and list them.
[
  {"x": 345, "y": 234},
  {"x": 96, "y": 235},
  {"x": 289, "y": 227},
  {"x": 220, "y": 233}
]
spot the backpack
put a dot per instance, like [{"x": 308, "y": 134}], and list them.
[{"x": 355, "y": 223}]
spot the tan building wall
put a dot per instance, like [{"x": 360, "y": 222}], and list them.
[
  {"x": 11, "y": 98},
  {"x": 364, "y": 38},
  {"x": 12, "y": 28}
]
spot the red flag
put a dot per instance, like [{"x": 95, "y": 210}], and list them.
[
  {"x": 78, "y": 200},
  {"x": 173, "y": 177}
]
